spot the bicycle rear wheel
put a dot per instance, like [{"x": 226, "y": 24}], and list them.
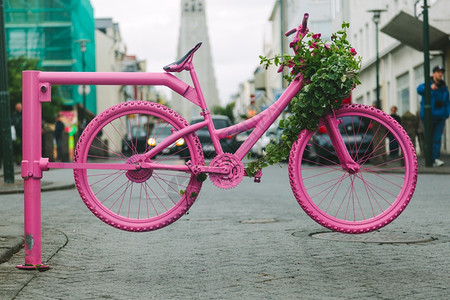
[
  {"x": 368, "y": 199},
  {"x": 136, "y": 200}
]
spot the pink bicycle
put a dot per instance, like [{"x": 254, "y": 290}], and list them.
[
  {"x": 151, "y": 169},
  {"x": 334, "y": 173}
]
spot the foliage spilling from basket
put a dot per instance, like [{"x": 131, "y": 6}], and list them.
[{"x": 330, "y": 72}]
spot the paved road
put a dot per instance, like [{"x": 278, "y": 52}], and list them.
[{"x": 252, "y": 242}]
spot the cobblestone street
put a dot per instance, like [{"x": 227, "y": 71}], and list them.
[{"x": 252, "y": 242}]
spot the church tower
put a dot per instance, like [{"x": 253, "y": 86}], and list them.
[{"x": 193, "y": 29}]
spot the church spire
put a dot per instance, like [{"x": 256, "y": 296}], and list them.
[{"x": 193, "y": 29}]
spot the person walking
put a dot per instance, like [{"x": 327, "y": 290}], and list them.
[
  {"x": 393, "y": 143},
  {"x": 59, "y": 129},
  {"x": 440, "y": 110},
  {"x": 252, "y": 109},
  {"x": 16, "y": 122}
]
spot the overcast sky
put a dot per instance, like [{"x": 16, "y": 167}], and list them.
[{"x": 236, "y": 28}]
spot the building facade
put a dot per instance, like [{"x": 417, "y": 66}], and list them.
[
  {"x": 400, "y": 50},
  {"x": 49, "y": 31},
  {"x": 268, "y": 85}
]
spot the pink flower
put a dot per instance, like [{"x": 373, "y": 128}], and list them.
[
  {"x": 314, "y": 45},
  {"x": 289, "y": 64},
  {"x": 327, "y": 46},
  {"x": 316, "y": 36},
  {"x": 353, "y": 51}
]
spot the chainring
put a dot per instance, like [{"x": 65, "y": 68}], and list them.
[
  {"x": 233, "y": 177},
  {"x": 140, "y": 175}
]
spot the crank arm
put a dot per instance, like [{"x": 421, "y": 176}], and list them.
[{"x": 197, "y": 169}]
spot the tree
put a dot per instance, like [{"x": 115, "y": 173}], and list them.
[
  {"x": 15, "y": 67},
  {"x": 225, "y": 111}
]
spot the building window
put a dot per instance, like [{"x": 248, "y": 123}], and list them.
[{"x": 403, "y": 93}]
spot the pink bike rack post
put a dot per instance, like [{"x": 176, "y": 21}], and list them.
[
  {"x": 31, "y": 172},
  {"x": 37, "y": 89}
]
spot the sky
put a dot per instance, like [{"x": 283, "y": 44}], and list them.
[{"x": 236, "y": 31}]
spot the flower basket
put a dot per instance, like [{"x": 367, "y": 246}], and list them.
[{"x": 330, "y": 71}]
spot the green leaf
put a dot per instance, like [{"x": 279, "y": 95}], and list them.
[{"x": 324, "y": 68}]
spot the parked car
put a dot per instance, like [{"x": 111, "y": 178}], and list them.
[
  {"x": 357, "y": 140},
  {"x": 272, "y": 134},
  {"x": 228, "y": 144},
  {"x": 142, "y": 142},
  {"x": 136, "y": 141}
]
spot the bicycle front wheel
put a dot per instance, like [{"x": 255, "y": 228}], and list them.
[
  {"x": 349, "y": 201},
  {"x": 144, "y": 199}
]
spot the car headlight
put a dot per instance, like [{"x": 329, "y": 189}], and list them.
[
  {"x": 180, "y": 142},
  {"x": 151, "y": 142}
]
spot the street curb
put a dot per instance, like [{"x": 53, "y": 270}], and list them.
[
  {"x": 12, "y": 245},
  {"x": 17, "y": 187},
  {"x": 434, "y": 170}
]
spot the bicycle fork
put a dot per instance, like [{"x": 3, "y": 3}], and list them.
[{"x": 346, "y": 161}]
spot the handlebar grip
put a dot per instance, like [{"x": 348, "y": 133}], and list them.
[
  {"x": 305, "y": 22},
  {"x": 303, "y": 27},
  {"x": 293, "y": 30}
]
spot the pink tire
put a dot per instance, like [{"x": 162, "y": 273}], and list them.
[
  {"x": 368, "y": 199},
  {"x": 140, "y": 200}
]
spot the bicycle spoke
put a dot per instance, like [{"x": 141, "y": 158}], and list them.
[
  {"x": 359, "y": 199},
  {"x": 143, "y": 198}
]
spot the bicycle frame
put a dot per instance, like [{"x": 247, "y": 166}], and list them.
[
  {"x": 260, "y": 122},
  {"x": 43, "y": 81}
]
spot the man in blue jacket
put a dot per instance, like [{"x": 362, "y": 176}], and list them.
[{"x": 440, "y": 110}]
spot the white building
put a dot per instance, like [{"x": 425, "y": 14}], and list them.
[
  {"x": 111, "y": 56},
  {"x": 286, "y": 14},
  {"x": 400, "y": 46},
  {"x": 110, "y": 51},
  {"x": 400, "y": 49}
]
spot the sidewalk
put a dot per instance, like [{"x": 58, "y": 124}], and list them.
[
  {"x": 445, "y": 169},
  {"x": 11, "y": 235}
]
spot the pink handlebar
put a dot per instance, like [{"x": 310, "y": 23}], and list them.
[
  {"x": 299, "y": 31},
  {"x": 291, "y": 31},
  {"x": 302, "y": 28}
]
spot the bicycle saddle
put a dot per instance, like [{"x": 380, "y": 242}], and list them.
[{"x": 184, "y": 62}]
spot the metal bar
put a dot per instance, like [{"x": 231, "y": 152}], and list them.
[
  {"x": 96, "y": 166},
  {"x": 32, "y": 153},
  {"x": 427, "y": 95},
  {"x": 5, "y": 110}
]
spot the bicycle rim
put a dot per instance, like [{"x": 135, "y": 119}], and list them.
[
  {"x": 368, "y": 199},
  {"x": 144, "y": 199}
]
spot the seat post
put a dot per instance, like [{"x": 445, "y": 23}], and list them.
[{"x": 198, "y": 90}]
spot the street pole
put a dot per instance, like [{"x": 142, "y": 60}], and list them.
[
  {"x": 376, "y": 20},
  {"x": 83, "y": 69},
  {"x": 377, "y": 67},
  {"x": 83, "y": 43},
  {"x": 283, "y": 18},
  {"x": 427, "y": 96},
  {"x": 5, "y": 119}
]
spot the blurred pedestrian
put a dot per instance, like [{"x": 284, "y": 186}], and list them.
[
  {"x": 59, "y": 129},
  {"x": 16, "y": 121},
  {"x": 252, "y": 109},
  {"x": 440, "y": 110},
  {"x": 393, "y": 143}
]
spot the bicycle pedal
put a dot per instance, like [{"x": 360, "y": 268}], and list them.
[{"x": 258, "y": 176}]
